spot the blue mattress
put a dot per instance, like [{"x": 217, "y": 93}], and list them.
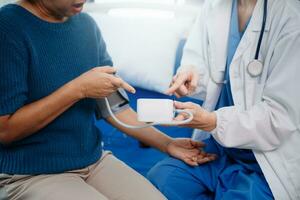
[{"x": 127, "y": 149}]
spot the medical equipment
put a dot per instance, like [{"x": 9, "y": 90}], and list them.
[
  {"x": 255, "y": 67},
  {"x": 147, "y": 110},
  {"x": 153, "y": 112}
]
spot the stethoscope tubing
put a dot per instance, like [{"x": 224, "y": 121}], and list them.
[
  {"x": 256, "y": 57},
  {"x": 263, "y": 28}
]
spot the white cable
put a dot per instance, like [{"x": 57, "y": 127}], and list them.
[{"x": 148, "y": 124}]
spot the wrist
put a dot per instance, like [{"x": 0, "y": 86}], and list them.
[
  {"x": 212, "y": 121},
  {"x": 166, "y": 146},
  {"x": 76, "y": 90}
]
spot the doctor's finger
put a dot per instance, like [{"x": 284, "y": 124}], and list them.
[
  {"x": 176, "y": 84},
  {"x": 177, "y": 95},
  {"x": 182, "y": 90},
  {"x": 180, "y": 117},
  {"x": 194, "y": 83},
  {"x": 184, "y": 105},
  {"x": 118, "y": 82}
]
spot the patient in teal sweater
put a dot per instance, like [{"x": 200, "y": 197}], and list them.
[
  {"x": 53, "y": 65},
  {"x": 36, "y": 59}
]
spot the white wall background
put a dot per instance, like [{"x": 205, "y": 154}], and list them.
[
  {"x": 142, "y": 36},
  {"x": 3, "y": 2}
]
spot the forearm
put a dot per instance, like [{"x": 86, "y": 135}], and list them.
[
  {"x": 35, "y": 116},
  {"x": 150, "y": 135}
]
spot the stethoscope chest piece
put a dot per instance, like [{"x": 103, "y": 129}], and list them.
[{"x": 255, "y": 68}]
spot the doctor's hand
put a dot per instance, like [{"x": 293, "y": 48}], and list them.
[
  {"x": 184, "y": 83},
  {"x": 100, "y": 82},
  {"x": 202, "y": 119},
  {"x": 189, "y": 151}
]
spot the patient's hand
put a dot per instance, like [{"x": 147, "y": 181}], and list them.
[
  {"x": 189, "y": 151},
  {"x": 100, "y": 82}
]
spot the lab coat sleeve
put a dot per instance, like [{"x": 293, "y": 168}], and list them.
[
  {"x": 268, "y": 123},
  {"x": 195, "y": 54}
]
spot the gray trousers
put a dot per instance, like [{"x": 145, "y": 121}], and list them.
[{"x": 109, "y": 178}]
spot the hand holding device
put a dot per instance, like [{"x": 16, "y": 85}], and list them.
[{"x": 154, "y": 112}]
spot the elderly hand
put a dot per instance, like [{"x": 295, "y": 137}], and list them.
[
  {"x": 189, "y": 151},
  {"x": 202, "y": 119},
  {"x": 100, "y": 82},
  {"x": 184, "y": 83}
]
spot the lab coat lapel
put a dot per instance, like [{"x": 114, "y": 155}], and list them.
[
  {"x": 218, "y": 28},
  {"x": 218, "y": 31}
]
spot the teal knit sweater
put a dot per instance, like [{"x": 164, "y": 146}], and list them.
[{"x": 36, "y": 58}]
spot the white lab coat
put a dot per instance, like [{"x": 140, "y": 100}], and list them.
[{"x": 266, "y": 115}]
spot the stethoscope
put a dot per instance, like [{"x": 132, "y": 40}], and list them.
[{"x": 255, "y": 67}]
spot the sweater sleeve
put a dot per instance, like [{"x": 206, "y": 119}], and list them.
[{"x": 13, "y": 75}]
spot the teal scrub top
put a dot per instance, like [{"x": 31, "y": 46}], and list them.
[{"x": 245, "y": 157}]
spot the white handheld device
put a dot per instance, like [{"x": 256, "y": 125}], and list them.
[{"x": 153, "y": 112}]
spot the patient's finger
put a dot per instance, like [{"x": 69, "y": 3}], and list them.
[
  {"x": 203, "y": 160},
  {"x": 197, "y": 144},
  {"x": 108, "y": 70},
  {"x": 208, "y": 158},
  {"x": 191, "y": 161},
  {"x": 122, "y": 84}
]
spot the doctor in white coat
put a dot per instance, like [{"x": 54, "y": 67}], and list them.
[{"x": 264, "y": 117}]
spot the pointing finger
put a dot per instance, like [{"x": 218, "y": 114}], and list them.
[
  {"x": 177, "y": 83},
  {"x": 194, "y": 83},
  {"x": 118, "y": 82},
  {"x": 108, "y": 70}
]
